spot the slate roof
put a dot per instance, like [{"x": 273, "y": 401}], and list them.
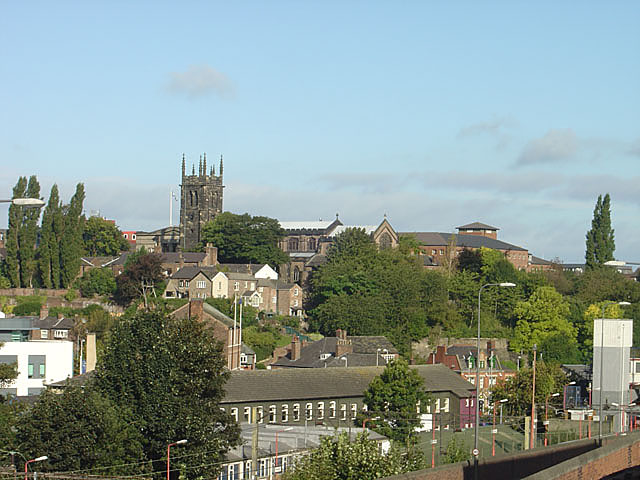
[
  {"x": 478, "y": 226},
  {"x": 167, "y": 257},
  {"x": 289, "y": 383},
  {"x": 190, "y": 271},
  {"x": 317, "y": 260},
  {"x": 463, "y": 352},
  {"x": 539, "y": 261},
  {"x": 240, "y": 267},
  {"x": 318, "y": 227},
  {"x": 437, "y": 239},
  {"x": 364, "y": 353},
  {"x": 53, "y": 322}
]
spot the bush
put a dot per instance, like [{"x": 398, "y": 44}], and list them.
[
  {"x": 97, "y": 281},
  {"x": 27, "y": 308},
  {"x": 71, "y": 295}
]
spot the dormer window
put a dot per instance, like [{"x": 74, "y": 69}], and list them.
[{"x": 324, "y": 356}]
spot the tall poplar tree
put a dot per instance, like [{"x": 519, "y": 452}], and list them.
[
  {"x": 48, "y": 253},
  {"x": 12, "y": 244},
  {"x": 71, "y": 246},
  {"x": 600, "y": 240},
  {"x": 28, "y": 235}
]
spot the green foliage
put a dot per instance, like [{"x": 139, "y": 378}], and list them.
[
  {"x": 48, "y": 253},
  {"x": 225, "y": 305},
  {"x": 340, "y": 459},
  {"x": 141, "y": 268},
  {"x": 457, "y": 451},
  {"x": 102, "y": 238},
  {"x": 12, "y": 244},
  {"x": 394, "y": 396},
  {"x": 80, "y": 429},
  {"x": 557, "y": 348},
  {"x": 26, "y": 308},
  {"x": 27, "y": 236},
  {"x": 71, "y": 295},
  {"x": 10, "y": 413},
  {"x": 470, "y": 261},
  {"x": 550, "y": 379},
  {"x": 544, "y": 314},
  {"x": 71, "y": 247},
  {"x": 8, "y": 373},
  {"x": 170, "y": 373},
  {"x": 97, "y": 281},
  {"x": 245, "y": 239},
  {"x": 600, "y": 243},
  {"x": 263, "y": 339}
]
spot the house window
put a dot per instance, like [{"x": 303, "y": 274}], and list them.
[
  {"x": 186, "y": 283},
  {"x": 296, "y": 412},
  {"x": 201, "y": 284},
  {"x": 309, "y": 411},
  {"x": 272, "y": 414},
  {"x": 261, "y": 289},
  {"x": 481, "y": 363},
  {"x": 284, "y": 415},
  {"x": 296, "y": 274},
  {"x": 60, "y": 333},
  {"x": 247, "y": 414},
  {"x": 234, "y": 414},
  {"x": 354, "y": 410},
  {"x": 343, "y": 411},
  {"x": 320, "y": 410},
  {"x": 126, "y": 235},
  {"x": 255, "y": 302},
  {"x": 44, "y": 334},
  {"x": 181, "y": 283},
  {"x": 263, "y": 467},
  {"x": 445, "y": 408},
  {"x": 433, "y": 251},
  {"x": 295, "y": 303},
  {"x": 236, "y": 286},
  {"x": 295, "y": 292},
  {"x": 253, "y": 286},
  {"x": 274, "y": 299},
  {"x": 133, "y": 236},
  {"x": 437, "y": 405},
  {"x": 312, "y": 244},
  {"x": 441, "y": 251},
  {"x": 36, "y": 366},
  {"x": 246, "y": 284},
  {"x": 332, "y": 410},
  {"x": 260, "y": 414},
  {"x": 293, "y": 244}
]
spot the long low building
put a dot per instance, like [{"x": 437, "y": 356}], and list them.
[{"x": 334, "y": 396}]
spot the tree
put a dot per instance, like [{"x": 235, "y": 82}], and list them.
[
  {"x": 141, "y": 270},
  {"x": 245, "y": 239},
  {"x": 12, "y": 244},
  {"x": 457, "y": 451},
  {"x": 71, "y": 247},
  {"x": 600, "y": 240},
  {"x": 338, "y": 458},
  {"x": 103, "y": 238},
  {"x": 8, "y": 373},
  {"x": 48, "y": 253},
  {"x": 544, "y": 314},
  {"x": 170, "y": 373},
  {"x": 394, "y": 396},
  {"x": 80, "y": 429},
  {"x": 27, "y": 236},
  {"x": 97, "y": 281}
]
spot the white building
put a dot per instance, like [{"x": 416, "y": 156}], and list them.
[{"x": 40, "y": 362}]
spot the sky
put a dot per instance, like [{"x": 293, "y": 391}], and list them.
[{"x": 437, "y": 114}]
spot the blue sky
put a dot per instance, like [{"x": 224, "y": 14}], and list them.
[{"x": 436, "y": 113}]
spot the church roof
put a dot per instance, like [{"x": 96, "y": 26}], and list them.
[
  {"x": 477, "y": 226},
  {"x": 368, "y": 229}
]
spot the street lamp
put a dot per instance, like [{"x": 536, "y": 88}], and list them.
[
  {"x": 546, "y": 416},
  {"x": 25, "y": 202},
  {"x": 386, "y": 352},
  {"x": 346, "y": 362},
  {"x": 364, "y": 422},
  {"x": 277, "y": 432},
  {"x": 604, "y": 305},
  {"x": 476, "y": 452},
  {"x": 494, "y": 430},
  {"x": 564, "y": 398},
  {"x": 179, "y": 442},
  {"x": 26, "y": 464}
]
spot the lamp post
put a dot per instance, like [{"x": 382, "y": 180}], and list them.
[
  {"x": 476, "y": 452},
  {"x": 532, "y": 434},
  {"x": 280, "y": 431},
  {"x": 604, "y": 305},
  {"x": 494, "y": 430},
  {"x": 564, "y": 398},
  {"x": 364, "y": 422},
  {"x": 179, "y": 442},
  {"x": 346, "y": 362},
  {"x": 26, "y": 464},
  {"x": 386, "y": 352},
  {"x": 25, "y": 202},
  {"x": 546, "y": 416}
]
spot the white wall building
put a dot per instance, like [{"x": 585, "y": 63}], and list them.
[{"x": 39, "y": 362}]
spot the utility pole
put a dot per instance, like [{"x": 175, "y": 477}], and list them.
[{"x": 254, "y": 444}]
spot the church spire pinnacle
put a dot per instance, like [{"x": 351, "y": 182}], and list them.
[
  {"x": 200, "y": 167},
  {"x": 204, "y": 164},
  {"x": 220, "y": 166},
  {"x": 183, "y": 164}
]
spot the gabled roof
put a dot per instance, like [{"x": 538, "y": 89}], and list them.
[
  {"x": 240, "y": 267},
  {"x": 438, "y": 239},
  {"x": 364, "y": 353},
  {"x": 53, "y": 322},
  {"x": 167, "y": 257},
  {"x": 539, "y": 261},
  {"x": 319, "y": 227},
  {"x": 312, "y": 383},
  {"x": 190, "y": 271},
  {"x": 478, "y": 226}
]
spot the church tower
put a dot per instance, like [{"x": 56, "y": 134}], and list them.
[{"x": 200, "y": 201}]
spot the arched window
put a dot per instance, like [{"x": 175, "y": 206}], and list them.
[
  {"x": 312, "y": 244},
  {"x": 293, "y": 244},
  {"x": 296, "y": 274},
  {"x": 385, "y": 240}
]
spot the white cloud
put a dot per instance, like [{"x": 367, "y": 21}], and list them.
[
  {"x": 556, "y": 145},
  {"x": 200, "y": 80},
  {"x": 493, "y": 126}
]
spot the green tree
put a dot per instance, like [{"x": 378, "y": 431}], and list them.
[
  {"x": 97, "y": 281},
  {"x": 517, "y": 390},
  {"x": 80, "y": 429},
  {"x": 544, "y": 314},
  {"x": 339, "y": 458},
  {"x": 8, "y": 373},
  {"x": 71, "y": 247},
  {"x": 170, "y": 374},
  {"x": 394, "y": 396},
  {"x": 600, "y": 239},
  {"x": 103, "y": 238},
  {"x": 27, "y": 236},
  {"x": 48, "y": 253},
  {"x": 12, "y": 244},
  {"x": 457, "y": 451},
  {"x": 245, "y": 239}
]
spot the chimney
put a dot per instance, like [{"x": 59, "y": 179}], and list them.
[
  {"x": 296, "y": 348},
  {"x": 211, "y": 257},
  {"x": 44, "y": 312},
  {"x": 91, "y": 352},
  {"x": 440, "y": 354},
  {"x": 343, "y": 345},
  {"x": 196, "y": 308}
]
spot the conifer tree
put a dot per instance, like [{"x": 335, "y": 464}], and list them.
[
  {"x": 12, "y": 243},
  {"x": 600, "y": 240},
  {"x": 49, "y": 250},
  {"x": 71, "y": 246},
  {"x": 27, "y": 236}
]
